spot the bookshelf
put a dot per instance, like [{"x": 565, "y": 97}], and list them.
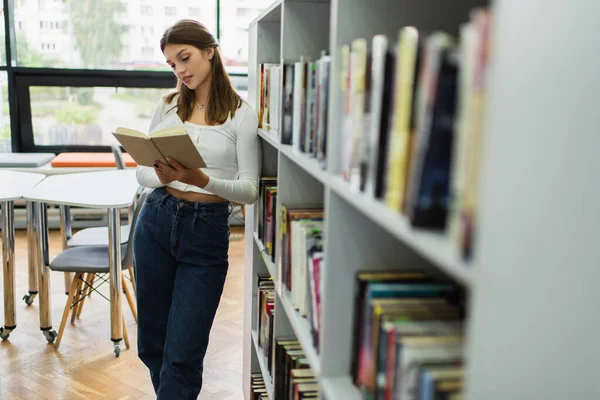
[
  {"x": 263, "y": 364},
  {"x": 531, "y": 286}
]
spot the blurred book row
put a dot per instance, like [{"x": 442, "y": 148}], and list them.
[{"x": 410, "y": 116}]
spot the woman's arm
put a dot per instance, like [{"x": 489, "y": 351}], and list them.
[
  {"x": 248, "y": 150},
  {"x": 146, "y": 176}
]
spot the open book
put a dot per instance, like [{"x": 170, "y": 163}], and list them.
[{"x": 172, "y": 142}]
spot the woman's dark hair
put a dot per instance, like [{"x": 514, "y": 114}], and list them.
[{"x": 222, "y": 98}]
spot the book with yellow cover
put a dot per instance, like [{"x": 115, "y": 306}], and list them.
[{"x": 172, "y": 142}]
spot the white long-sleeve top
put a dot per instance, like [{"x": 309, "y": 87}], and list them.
[{"x": 231, "y": 151}]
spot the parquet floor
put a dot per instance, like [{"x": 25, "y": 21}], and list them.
[{"x": 85, "y": 367}]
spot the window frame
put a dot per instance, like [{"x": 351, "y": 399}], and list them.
[
  {"x": 25, "y": 78},
  {"x": 20, "y": 79}
]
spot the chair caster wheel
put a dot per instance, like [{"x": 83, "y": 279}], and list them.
[
  {"x": 4, "y": 333},
  {"x": 50, "y": 336},
  {"x": 28, "y": 298},
  {"x": 117, "y": 350}
]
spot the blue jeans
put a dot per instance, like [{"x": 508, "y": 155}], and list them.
[{"x": 181, "y": 261}]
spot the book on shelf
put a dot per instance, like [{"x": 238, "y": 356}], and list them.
[
  {"x": 402, "y": 134},
  {"x": 324, "y": 65},
  {"x": 265, "y": 314},
  {"x": 173, "y": 141},
  {"x": 266, "y": 214},
  {"x": 362, "y": 279},
  {"x": 479, "y": 55},
  {"x": 431, "y": 375},
  {"x": 258, "y": 389},
  {"x": 299, "y": 103},
  {"x": 288, "y": 104},
  {"x": 309, "y": 132},
  {"x": 411, "y": 112},
  {"x": 301, "y": 262},
  {"x": 268, "y": 95},
  {"x": 419, "y": 350},
  {"x": 293, "y": 375},
  {"x": 429, "y": 180},
  {"x": 270, "y": 220},
  {"x": 259, "y": 220},
  {"x": 397, "y": 291},
  {"x": 354, "y": 118},
  {"x": 382, "y": 68},
  {"x": 303, "y": 103},
  {"x": 274, "y": 99},
  {"x": 393, "y": 307}
]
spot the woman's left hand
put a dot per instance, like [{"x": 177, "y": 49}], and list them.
[{"x": 178, "y": 172}]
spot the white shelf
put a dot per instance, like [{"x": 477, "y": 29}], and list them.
[
  {"x": 339, "y": 388},
  {"x": 269, "y": 138},
  {"x": 270, "y": 14},
  {"x": 309, "y": 164},
  {"x": 432, "y": 245},
  {"x": 537, "y": 214},
  {"x": 301, "y": 328},
  {"x": 264, "y": 370},
  {"x": 266, "y": 258}
]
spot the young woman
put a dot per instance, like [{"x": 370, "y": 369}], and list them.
[{"x": 181, "y": 238}]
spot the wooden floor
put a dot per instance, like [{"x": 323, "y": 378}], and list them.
[{"x": 85, "y": 366}]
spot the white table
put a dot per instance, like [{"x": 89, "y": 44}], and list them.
[
  {"x": 111, "y": 190},
  {"x": 47, "y": 169},
  {"x": 12, "y": 187}
]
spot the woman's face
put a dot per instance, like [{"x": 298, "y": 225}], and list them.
[{"x": 189, "y": 64}]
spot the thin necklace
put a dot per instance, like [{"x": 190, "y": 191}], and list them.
[{"x": 201, "y": 107}]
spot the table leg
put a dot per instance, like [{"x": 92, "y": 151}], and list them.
[
  {"x": 8, "y": 268},
  {"x": 114, "y": 249},
  {"x": 31, "y": 255},
  {"x": 44, "y": 273},
  {"x": 66, "y": 233}
]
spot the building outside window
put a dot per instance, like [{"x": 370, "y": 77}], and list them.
[{"x": 101, "y": 36}]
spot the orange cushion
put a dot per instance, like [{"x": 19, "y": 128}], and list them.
[{"x": 89, "y": 160}]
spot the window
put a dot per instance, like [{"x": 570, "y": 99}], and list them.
[
  {"x": 244, "y": 12},
  {"x": 146, "y": 10},
  {"x": 94, "y": 34},
  {"x": 47, "y": 5},
  {"x": 48, "y": 47},
  {"x": 72, "y": 116},
  {"x": 3, "y": 44},
  {"x": 51, "y": 25},
  {"x": 147, "y": 51},
  {"x": 147, "y": 30},
  {"x": 5, "y": 140},
  {"x": 234, "y": 30},
  {"x": 103, "y": 55}
]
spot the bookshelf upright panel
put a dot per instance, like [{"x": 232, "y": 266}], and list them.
[
  {"x": 535, "y": 314},
  {"x": 264, "y": 47}
]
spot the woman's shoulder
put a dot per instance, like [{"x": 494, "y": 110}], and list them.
[{"x": 244, "y": 112}]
